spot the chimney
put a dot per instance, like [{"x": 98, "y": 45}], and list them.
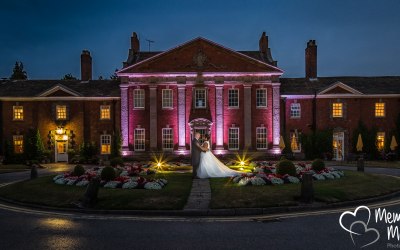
[
  {"x": 135, "y": 45},
  {"x": 263, "y": 43},
  {"x": 86, "y": 66},
  {"x": 311, "y": 60}
]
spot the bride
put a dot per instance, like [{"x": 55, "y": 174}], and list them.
[{"x": 210, "y": 166}]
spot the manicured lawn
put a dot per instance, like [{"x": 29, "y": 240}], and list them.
[
  {"x": 378, "y": 164},
  {"x": 352, "y": 186},
  {"x": 13, "y": 168},
  {"x": 43, "y": 191}
]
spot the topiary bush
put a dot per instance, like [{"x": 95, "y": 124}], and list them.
[
  {"x": 108, "y": 174},
  {"x": 116, "y": 161},
  {"x": 318, "y": 165},
  {"x": 78, "y": 170},
  {"x": 286, "y": 167}
]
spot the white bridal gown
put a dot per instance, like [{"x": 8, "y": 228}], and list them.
[{"x": 210, "y": 166}]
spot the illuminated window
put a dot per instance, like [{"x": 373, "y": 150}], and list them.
[
  {"x": 167, "y": 139},
  {"x": 139, "y": 139},
  {"x": 233, "y": 139},
  {"x": 105, "y": 112},
  {"x": 61, "y": 112},
  {"x": 105, "y": 144},
  {"x": 337, "y": 109},
  {"x": 200, "y": 98},
  {"x": 167, "y": 98},
  {"x": 380, "y": 141},
  {"x": 18, "y": 144},
  {"x": 294, "y": 142},
  {"x": 138, "y": 98},
  {"x": 261, "y": 138},
  {"x": 380, "y": 109},
  {"x": 295, "y": 110},
  {"x": 261, "y": 98},
  {"x": 18, "y": 113},
  {"x": 233, "y": 98}
]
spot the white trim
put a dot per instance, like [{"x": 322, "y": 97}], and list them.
[
  {"x": 266, "y": 98},
  {"x": 57, "y": 88},
  {"x": 340, "y": 85},
  {"x": 101, "y": 143},
  {"x": 229, "y": 138},
  {"x": 163, "y": 138},
  {"x": 171, "y": 97},
  {"x": 238, "y": 98},
  {"x": 266, "y": 137},
  {"x": 144, "y": 140},
  {"x": 341, "y": 96},
  {"x": 56, "y": 98}
]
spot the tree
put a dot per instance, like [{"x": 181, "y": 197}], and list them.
[
  {"x": 116, "y": 145},
  {"x": 18, "y": 72},
  {"x": 69, "y": 76},
  {"x": 33, "y": 148}
]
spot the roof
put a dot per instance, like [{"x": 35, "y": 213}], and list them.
[
  {"x": 32, "y": 88},
  {"x": 365, "y": 85}
]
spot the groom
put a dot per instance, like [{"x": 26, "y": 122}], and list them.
[{"x": 196, "y": 150}]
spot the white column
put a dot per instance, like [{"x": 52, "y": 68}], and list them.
[
  {"x": 153, "y": 117},
  {"x": 276, "y": 117},
  {"x": 181, "y": 116},
  {"x": 219, "y": 118},
  {"x": 124, "y": 119},
  {"x": 247, "y": 115}
]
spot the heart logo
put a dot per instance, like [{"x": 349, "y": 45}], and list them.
[
  {"x": 354, "y": 214},
  {"x": 367, "y": 232}
]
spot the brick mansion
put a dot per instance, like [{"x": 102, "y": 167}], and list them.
[{"x": 162, "y": 98}]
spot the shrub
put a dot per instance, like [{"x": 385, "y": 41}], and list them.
[
  {"x": 108, "y": 173},
  {"x": 286, "y": 167},
  {"x": 116, "y": 161},
  {"x": 318, "y": 165},
  {"x": 78, "y": 170}
]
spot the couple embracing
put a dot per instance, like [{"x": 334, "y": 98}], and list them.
[{"x": 204, "y": 162}]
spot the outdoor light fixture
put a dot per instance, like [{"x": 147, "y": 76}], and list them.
[
  {"x": 242, "y": 163},
  {"x": 60, "y": 131}
]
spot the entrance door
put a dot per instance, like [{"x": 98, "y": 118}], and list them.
[
  {"x": 338, "y": 146},
  {"x": 61, "y": 151},
  {"x": 202, "y": 132}
]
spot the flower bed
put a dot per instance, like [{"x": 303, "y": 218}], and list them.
[
  {"x": 264, "y": 173},
  {"x": 131, "y": 176}
]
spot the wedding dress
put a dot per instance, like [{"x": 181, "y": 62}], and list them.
[{"x": 210, "y": 166}]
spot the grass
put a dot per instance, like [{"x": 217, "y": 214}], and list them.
[
  {"x": 353, "y": 186},
  {"x": 43, "y": 191},
  {"x": 378, "y": 164},
  {"x": 13, "y": 168}
]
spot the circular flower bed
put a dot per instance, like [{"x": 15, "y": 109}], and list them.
[
  {"x": 264, "y": 173},
  {"x": 128, "y": 177}
]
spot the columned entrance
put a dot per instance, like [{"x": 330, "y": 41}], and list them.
[
  {"x": 338, "y": 146},
  {"x": 202, "y": 126}
]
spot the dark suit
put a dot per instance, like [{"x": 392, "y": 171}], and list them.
[{"x": 196, "y": 151}]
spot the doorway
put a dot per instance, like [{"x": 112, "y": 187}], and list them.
[
  {"x": 338, "y": 146},
  {"x": 61, "y": 151}
]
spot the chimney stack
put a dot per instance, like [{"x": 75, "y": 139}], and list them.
[
  {"x": 311, "y": 60},
  {"x": 263, "y": 43},
  {"x": 86, "y": 66},
  {"x": 135, "y": 45}
]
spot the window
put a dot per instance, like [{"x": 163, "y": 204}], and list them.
[
  {"x": 380, "y": 109},
  {"x": 61, "y": 112},
  {"x": 337, "y": 109},
  {"x": 138, "y": 98},
  {"x": 233, "y": 98},
  {"x": 294, "y": 142},
  {"x": 200, "y": 98},
  {"x": 167, "y": 98},
  {"x": 295, "y": 110},
  {"x": 380, "y": 141},
  {"x": 167, "y": 139},
  {"x": 18, "y": 113},
  {"x": 18, "y": 144},
  {"x": 139, "y": 139},
  {"x": 105, "y": 144},
  {"x": 261, "y": 98},
  {"x": 233, "y": 139},
  {"x": 105, "y": 112},
  {"x": 261, "y": 138}
]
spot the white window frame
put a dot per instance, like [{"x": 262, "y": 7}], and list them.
[
  {"x": 233, "y": 143},
  {"x": 21, "y": 114},
  {"x": 167, "y": 136},
  {"x": 138, "y": 98},
  {"x": 258, "y": 95},
  {"x": 140, "y": 143},
  {"x": 259, "y": 132},
  {"x": 229, "y": 97},
  {"x": 19, "y": 138},
  {"x": 105, "y": 107},
  {"x": 295, "y": 110},
  {"x": 57, "y": 112},
  {"x": 380, "y": 136},
  {"x": 297, "y": 136},
  {"x": 167, "y": 99},
  {"x": 105, "y": 140},
  {"x": 196, "y": 91}
]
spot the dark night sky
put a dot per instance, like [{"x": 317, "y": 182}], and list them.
[{"x": 354, "y": 37}]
